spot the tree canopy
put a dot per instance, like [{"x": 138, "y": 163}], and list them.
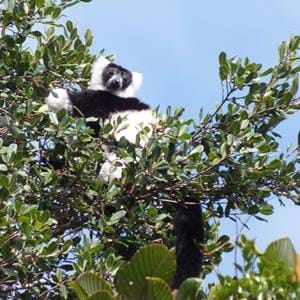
[{"x": 56, "y": 224}]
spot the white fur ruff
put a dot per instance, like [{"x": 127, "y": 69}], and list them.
[
  {"x": 96, "y": 83},
  {"x": 96, "y": 80},
  {"x": 133, "y": 123},
  {"x": 58, "y": 99}
]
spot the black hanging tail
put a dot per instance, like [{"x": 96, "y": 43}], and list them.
[{"x": 188, "y": 225}]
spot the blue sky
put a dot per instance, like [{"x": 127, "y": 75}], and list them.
[{"x": 176, "y": 44}]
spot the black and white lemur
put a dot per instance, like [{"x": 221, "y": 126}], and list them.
[{"x": 109, "y": 95}]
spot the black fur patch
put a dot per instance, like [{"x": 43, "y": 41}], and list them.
[{"x": 101, "y": 104}]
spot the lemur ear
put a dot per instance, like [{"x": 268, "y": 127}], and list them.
[
  {"x": 137, "y": 80},
  {"x": 98, "y": 67}
]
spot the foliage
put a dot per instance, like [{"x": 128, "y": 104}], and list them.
[
  {"x": 283, "y": 250},
  {"x": 89, "y": 285},
  {"x": 58, "y": 223},
  {"x": 154, "y": 261},
  {"x": 147, "y": 276},
  {"x": 263, "y": 276},
  {"x": 267, "y": 275}
]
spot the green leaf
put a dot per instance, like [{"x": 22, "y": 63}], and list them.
[
  {"x": 9, "y": 272},
  {"x": 294, "y": 43},
  {"x": 184, "y": 136},
  {"x": 4, "y": 181},
  {"x": 116, "y": 217},
  {"x": 296, "y": 70},
  {"x": 178, "y": 112},
  {"x": 4, "y": 193},
  {"x": 189, "y": 289},
  {"x": 88, "y": 37},
  {"x": 225, "y": 149},
  {"x": 282, "y": 50},
  {"x": 3, "y": 168},
  {"x": 56, "y": 13},
  {"x": 275, "y": 164},
  {"x": 51, "y": 249},
  {"x": 157, "y": 289},
  {"x": 235, "y": 127},
  {"x": 80, "y": 292},
  {"x": 223, "y": 71},
  {"x": 11, "y": 4},
  {"x": 152, "y": 261},
  {"x": 90, "y": 283},
  {"x": 266, "y": 209},
  {"x": 40, "y": 3},
  {"x": 102, "y": 295},
  {"x": 69, "y": 26},
  {"x": 282, "y": 250},
  {"x": 198, "y": 149},
  {"x": 245, "y": 123},
  {"x": 222, "y": 58},
  {"x": 266, "y": 72},
  {"x": 50, "y": 31},
  {"x": 294, "y": 85},
  {"x": 73, "y": 34}
]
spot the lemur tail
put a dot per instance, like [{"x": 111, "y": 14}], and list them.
[{"x": 188, "y": 225}]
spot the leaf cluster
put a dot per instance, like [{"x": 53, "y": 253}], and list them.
[{"x": 58, "y": 218}]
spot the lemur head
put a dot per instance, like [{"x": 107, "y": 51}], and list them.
[{"x": 114, "y": 78}]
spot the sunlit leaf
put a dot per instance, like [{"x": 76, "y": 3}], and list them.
[
  {"x": 282, "y": 250},
  {"x": 151, "y": 261}
]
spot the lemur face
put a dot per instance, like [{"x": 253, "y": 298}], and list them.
[
  {"x": 107, "y": 76},
  {"x": 115, "y": 77}
]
